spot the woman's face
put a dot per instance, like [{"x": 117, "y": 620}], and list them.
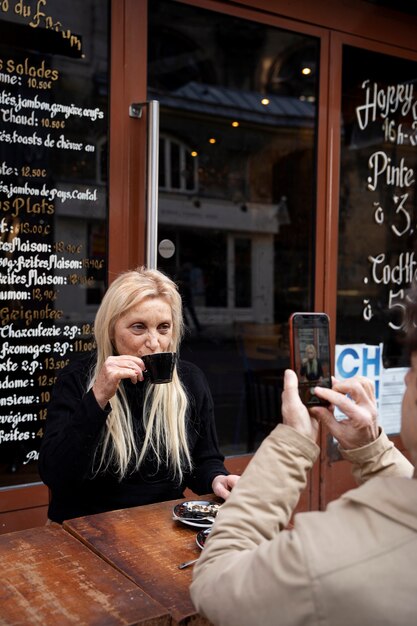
[
  {"x": 310, "y": 353},
  {"x": 409, "y": 409},
  {"x": 144, "y": 329}
]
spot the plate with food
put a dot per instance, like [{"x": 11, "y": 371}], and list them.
[{"x": 200, "y": 513}]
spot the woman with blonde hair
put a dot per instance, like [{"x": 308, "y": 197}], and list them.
[
  {"x": 311, "y": 368},
  {"x": 112, "y": 439}
]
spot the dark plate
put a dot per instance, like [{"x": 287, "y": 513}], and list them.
[
  {"x": 196, "y": 512},
  {"x": 201, "y": 537}
]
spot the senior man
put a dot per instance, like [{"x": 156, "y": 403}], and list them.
[{"x": 353, "y": 564}]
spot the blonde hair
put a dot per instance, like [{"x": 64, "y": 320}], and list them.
[
  {"x": 311, "y": 365},
  {"x": 165, "y": 405},
  {"x": 311, "y": 348}
]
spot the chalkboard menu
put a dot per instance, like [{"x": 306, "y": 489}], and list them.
[
  {"x": 378, "y": 213},
  {"x": 53, "y": 207}
]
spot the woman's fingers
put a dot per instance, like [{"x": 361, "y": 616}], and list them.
[
  {"x": 115, "y": 369},
  {"x": 125, "y": 366}
]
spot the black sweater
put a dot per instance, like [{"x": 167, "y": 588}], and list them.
[{"x": 74, "y": 429}]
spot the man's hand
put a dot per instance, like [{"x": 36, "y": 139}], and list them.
[
  {"x": 355, "y": 397},
  {"x": 294, "y": 413}
]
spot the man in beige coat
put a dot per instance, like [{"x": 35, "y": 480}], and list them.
[{"x": 354, "y": 564}]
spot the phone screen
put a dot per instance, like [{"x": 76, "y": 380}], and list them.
[{"x": 310, "y": 354}]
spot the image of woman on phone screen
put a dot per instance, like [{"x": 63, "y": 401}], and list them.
[{"x": 311, "y": 368}]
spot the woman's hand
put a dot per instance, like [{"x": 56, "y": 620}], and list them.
[
  {"x": 294, "y": 412},
  {"x": 115, "y": 369},
  {"x": 355, "y": 397},
  {"x": 223, "y": 485}
]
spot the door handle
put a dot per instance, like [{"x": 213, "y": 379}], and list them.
[{"x": 152, "y": 177}]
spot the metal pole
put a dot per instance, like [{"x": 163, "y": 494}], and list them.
[{"x": 153, "y": 185}]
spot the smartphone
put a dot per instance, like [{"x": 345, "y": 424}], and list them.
[{"x": 310, "y": 354}]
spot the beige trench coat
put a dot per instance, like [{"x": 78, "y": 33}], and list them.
[{"x": 354, "y": 564}]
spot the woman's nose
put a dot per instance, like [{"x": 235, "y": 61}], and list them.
[{"x": 152, "y": 341}]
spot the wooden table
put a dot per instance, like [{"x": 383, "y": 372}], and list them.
[
  {"x": 48, "y": 578},
  {"x": 147, "y": 546}
]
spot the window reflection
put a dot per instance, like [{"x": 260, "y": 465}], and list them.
[
  {"x": 178, "y": 165},
  {"x": 240, "y": 212}
]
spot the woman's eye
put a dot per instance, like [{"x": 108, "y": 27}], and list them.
[
  {"x": 164, "y": 328},
  {"x": 138, "y": 327}
]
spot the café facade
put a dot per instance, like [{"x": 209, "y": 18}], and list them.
[{"x": 260, "y": 152}]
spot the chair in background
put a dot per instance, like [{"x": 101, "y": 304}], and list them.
[{"x": 262, "y": 347}]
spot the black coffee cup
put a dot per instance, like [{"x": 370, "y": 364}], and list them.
[{"x": 159, "y": 367}]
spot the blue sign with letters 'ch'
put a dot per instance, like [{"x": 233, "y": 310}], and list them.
[{"x": 359, "y": 360}]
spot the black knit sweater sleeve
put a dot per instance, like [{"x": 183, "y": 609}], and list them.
[{"x": 73, "y": 429}]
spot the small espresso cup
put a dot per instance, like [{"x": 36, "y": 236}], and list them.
[{"x": 159, "y": 367}]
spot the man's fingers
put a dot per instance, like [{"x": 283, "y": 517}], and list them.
[
  {"x": 359, "y": 388},
  {"x": 290, "y": 392},
  {"x": 357, "y": 392},
  {"x": 290, "y": 380},
  {"x": 326, "y": 417},
  {"x": 344, "y": 403}
]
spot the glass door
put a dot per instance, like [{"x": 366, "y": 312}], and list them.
[
  {"x": 377, "y": 233},
  {"x": 237, "y": 198}
]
